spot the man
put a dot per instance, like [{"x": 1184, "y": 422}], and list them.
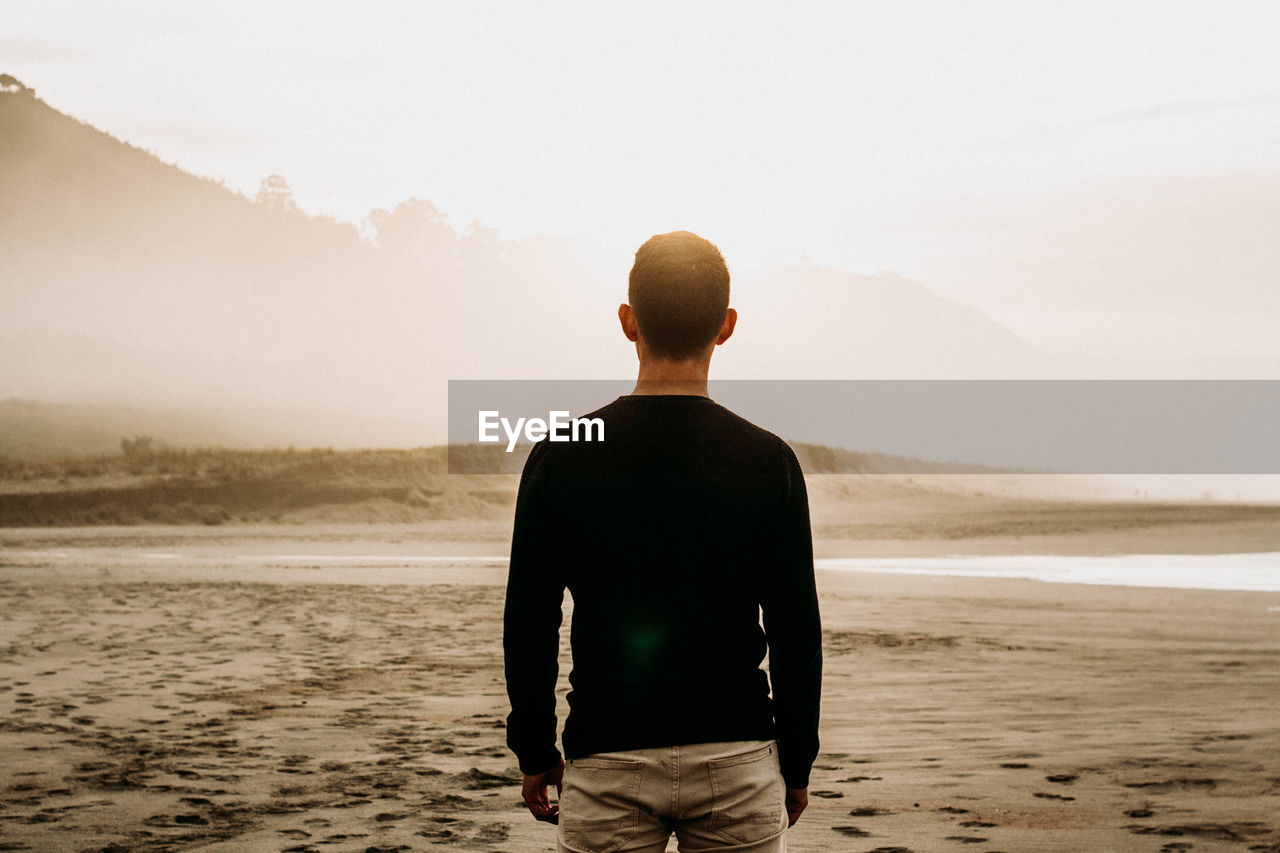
[{"x": 673, "y": 535}]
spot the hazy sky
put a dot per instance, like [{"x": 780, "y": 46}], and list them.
[{"x": 1097, "y": 176}]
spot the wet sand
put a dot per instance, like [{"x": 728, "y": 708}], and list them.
[{"x": 203, "y": 701}]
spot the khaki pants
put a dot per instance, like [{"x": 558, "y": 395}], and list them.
[{"x": 713, "y": 796}]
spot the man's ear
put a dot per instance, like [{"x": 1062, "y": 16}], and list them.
[
  {"x": 627, "y": 318},
  {"x": 730, "y": 321}
]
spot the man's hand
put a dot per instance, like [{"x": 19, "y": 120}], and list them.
[
  {"x": 534, "y": 792},
  {"x": 797, "y": 799}
]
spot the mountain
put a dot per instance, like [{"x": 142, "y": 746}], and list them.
[
  {"x": 127, "y": 281},
  {"x": 823, "y": 323}
]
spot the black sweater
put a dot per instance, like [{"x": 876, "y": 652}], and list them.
[{"x": 672, "y": 535}]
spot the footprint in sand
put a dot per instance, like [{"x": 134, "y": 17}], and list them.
[
  {"x": 1169, "y": 784},
  {"x": 492, "y": 834},
  {"x": 1240, "y": 831},
  {"x": 476, "y": 779},
  {"x": 179, "y": 819}
]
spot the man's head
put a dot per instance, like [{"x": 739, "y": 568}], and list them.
[{"x": 679, "y": 296}]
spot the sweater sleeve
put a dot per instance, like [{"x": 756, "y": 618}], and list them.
[
  {"x": 531, "y": 627},
  {"x": 793, "y": 628}
]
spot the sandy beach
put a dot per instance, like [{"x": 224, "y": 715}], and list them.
[
  {"x": 291, "y": 293},
  {"x": 341, "y": 689}
]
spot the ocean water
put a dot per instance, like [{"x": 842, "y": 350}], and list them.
[
  {"x": 356, "y": 562},
  {"x": 1258, "y": 572}
]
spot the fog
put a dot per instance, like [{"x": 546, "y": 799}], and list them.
[{"x": 458, "y": 198}]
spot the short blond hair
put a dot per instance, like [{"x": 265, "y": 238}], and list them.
[{"x": 679, "y": 291}]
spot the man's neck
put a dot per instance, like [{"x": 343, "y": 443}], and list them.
[{"x": 673, "y": 377}]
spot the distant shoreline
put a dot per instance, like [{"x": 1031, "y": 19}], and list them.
[
  {"x": 1190, "y": 556},
  {"x": 1247, "y": 572}
]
